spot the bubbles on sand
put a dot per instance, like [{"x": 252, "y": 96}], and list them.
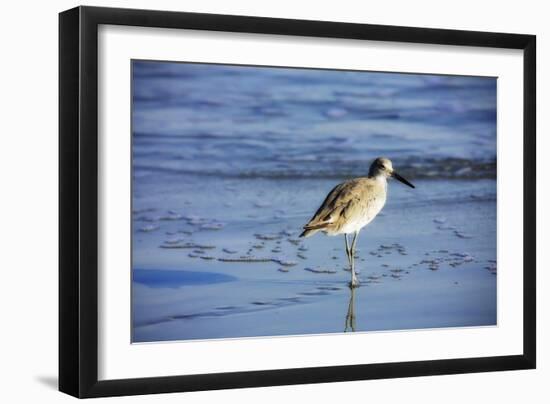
[
  {"x": 287, "y": 233},
  {"x": 149, "y": 228},
  {"x": 438, "y": 258},
  {"x": 388, "y": 249},
  {"x": 433, "y": 264},
  {"x": 194, "y": 223},
  {"x": 171, "y": 216},
  {"x": 214, "y": 225},
  {"x": 285, "y": 263},
  {"x": 465, "y": 256},
  {"x": 442, "y": 225},
  {"x": 145, "y": 219},
  {"x": 268, "y": 236},
  {"x": 373, "y": 279},
  {"x": 294, "y": 241},
  {"x": 279, "y": 252},
  {"x": 142, "y": 210},
  {"x": 188, "y": 245},
  {"x": 199, "y": 223},
  {"x": 194, "y": 220},
  {"x": 244, "y": 258},
  {"x": 319, "y": 270},
  {"x": 172, "y": 241},
  {"x": 460, "y": 234}
]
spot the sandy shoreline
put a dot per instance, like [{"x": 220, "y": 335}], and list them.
[{"x": 427, "y": 261}]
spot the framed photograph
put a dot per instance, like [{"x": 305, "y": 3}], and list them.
[{"x": 251, "y": 201}]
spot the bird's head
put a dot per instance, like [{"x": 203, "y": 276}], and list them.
[{"x": 383, "y": 167}]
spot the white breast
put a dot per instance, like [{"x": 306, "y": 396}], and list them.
[{"x": 369, "y": 213}]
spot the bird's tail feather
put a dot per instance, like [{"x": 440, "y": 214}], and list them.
[{"x": 311, "y": 230}]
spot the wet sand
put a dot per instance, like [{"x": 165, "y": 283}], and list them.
[{"x": 427, "y": 261}]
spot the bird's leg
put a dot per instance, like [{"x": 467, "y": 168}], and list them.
[
  {"x": 350, "y": 317},
  {"x": 348, "y": 251},
  {"x": 354, "y": 280},
  {"x": 354, "y": 242}
]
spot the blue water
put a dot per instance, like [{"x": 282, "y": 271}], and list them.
[
  {"x": 231, "y": 161},
  {"x": 237, "y": 121}
]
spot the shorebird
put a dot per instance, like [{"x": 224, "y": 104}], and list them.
[{"x": 352, "y": 205}]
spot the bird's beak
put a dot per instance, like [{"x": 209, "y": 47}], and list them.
[{"x": 401, "y": 179}]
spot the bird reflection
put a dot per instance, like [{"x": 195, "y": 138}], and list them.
[{"x": 350, "y": 316}]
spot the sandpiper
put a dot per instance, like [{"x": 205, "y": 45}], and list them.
[{"x": 352, "y": 205}]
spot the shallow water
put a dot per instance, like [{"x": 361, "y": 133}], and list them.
[
  {"x": 235, "y": 121},
  {"x": 230, "y": 163}
]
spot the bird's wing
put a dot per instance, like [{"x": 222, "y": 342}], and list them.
[{"x": 341, "y": 199}]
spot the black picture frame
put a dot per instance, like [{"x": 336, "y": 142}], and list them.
[{"x": 78, "y": 201}]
